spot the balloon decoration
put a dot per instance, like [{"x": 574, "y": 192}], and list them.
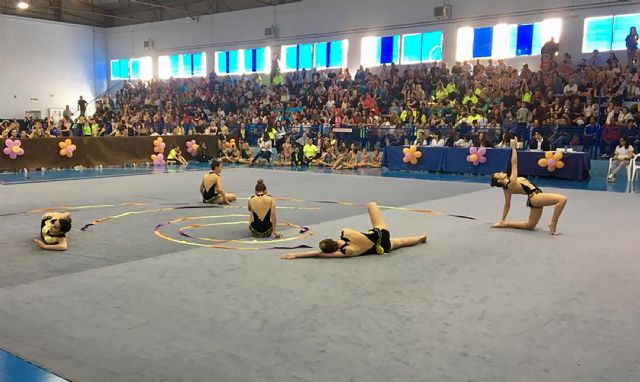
[
  {"x": 192, "y": 148},
  {"x": 158, "y": 160},
  {"x": 411, "y": 155},
  {"x": 66, "y": 148},
  {"x": 477, "y": 155},
  {"x": 229, "y": 144},
  {"x": 158, "y": 145},
  {"x": 12, "y": 148},
  {"x": 552, "y": 160}
]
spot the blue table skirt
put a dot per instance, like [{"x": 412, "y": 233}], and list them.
[{"x": 454, "y": 159}]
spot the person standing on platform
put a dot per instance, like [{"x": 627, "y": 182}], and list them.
[{"x": 82, "y": 106}]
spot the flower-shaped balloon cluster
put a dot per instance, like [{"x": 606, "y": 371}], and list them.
[
  {"x": 477, "y": 155},
  {"x": 158, "y": 149},
  {"x": 158, "y": 145},
  {"x": 411, "y": 155},
  {"x": 158, "y": 160},
  {"x": 552, "y": 160},
  {"x": 13, "y": 148},
  {"x": 192, "y": 147},
  {"x": 66, "y": 148}
]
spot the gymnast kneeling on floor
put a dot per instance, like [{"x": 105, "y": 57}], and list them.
[
  {"x": 211, "y": 186},
  {"x": 353, "y": 243},
  {"x": 536, "y": 199},
  {"x": 262, "y": 213},
  {"x": 53, "y": 229}
]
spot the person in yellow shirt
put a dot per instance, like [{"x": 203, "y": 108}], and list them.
[
  {"x": 310, "y": 152},
  {"x": 470, "y": 98},
  {"x": 441, "y": 93}
]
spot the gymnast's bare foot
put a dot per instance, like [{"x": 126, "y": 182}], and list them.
[
  {"x": 552, "y": 228},
  {"x": 423, "y": 239},
  {"x": 500, "y": 224}
]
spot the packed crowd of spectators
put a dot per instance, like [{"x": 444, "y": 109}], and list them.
[{"x": 569, "y": 103}]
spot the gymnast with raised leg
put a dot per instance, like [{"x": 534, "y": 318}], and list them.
[
  {"x": 536, "y": 199},
  {"x": 354, "y": 243},
  {"x": 53, "y": 229},
  {"x": 262, "y": 213},
  {"x": 211, "y": 186}
]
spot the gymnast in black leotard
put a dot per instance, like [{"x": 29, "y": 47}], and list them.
[
  {"x": 211, "y": 186},
  {"x": 536, "y": 199},
  {"x": 262, "y": 213},
  {"x": 354, "y": 243}
]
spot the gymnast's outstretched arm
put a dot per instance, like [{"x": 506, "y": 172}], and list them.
[{"x": 291, "y": 256}]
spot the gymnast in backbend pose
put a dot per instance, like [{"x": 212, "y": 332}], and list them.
[
  {"x": 262, "y": 213},
  {"x": 53, "y": 229},
  {"x": 536, "y": 199},
  {"x": 353, "y": 243},
  {"x": 211, "y": 186}
]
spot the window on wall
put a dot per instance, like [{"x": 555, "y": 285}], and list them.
[
  {"x": 377, "y": 51},
  {"x": 421, "y": 47},
  {"x": 133, "y": 69},
  {"x": 227, "y": 62},
  {"x": 119, "y": 69},
  {"x": 296, "y": 57},
  {"x": 506, "y": 40},
  {"x": 606, "y": 33},
  {"x": 621, "y": 26},
  {"x": 597, "y": 34},
  {"x": 141, "y": 68},
  {"x": 243, "y": 61},
  {"x": 182, "y": 65},
  {"x": 331, "y": 54}
]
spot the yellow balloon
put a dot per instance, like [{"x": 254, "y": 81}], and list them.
[
  {"x": 61, "y": 145},
  {"x": 15, "y": 149},
  {"x": 473, "y": 157},
  {"x": 67, "y": 141},
  {"x": 63, "y": 152},
  {"x": 542, "y": 162},
  {"x": 557, "y": 156},
  {"x": 414, "y": 161},
  {"x": 159, "y": 139},
  {"x": 153, "y": 157},
  {"x": 406, "y": 150},
  {"x": 69, "y": 155},
  {"x": 548, "y": 155},
  {"x": 417, "y": 154},
  {"x": 405, "y": 160},
  {"x": 559, "y": 164}
]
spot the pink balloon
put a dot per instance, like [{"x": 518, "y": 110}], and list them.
[
  {"x": 482, "y": 159},
  {"x": 408, "y": 156},
  {"x": 162, "y": 145},
  {"x": 7, "y": 151},
  {"x": 13, "y": 155},
  {"x": 17, "y": 142},
  {"x": 71, "y": 149},
  {"x": 551, "y": 162},
  {"x": 482, "y": 151},
  {"x": 473, "y": 150},
  {"x": 8, "y": 142},
  {"x": 21, "y": 152}
]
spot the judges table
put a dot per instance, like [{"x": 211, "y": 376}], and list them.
[{"x": 454, "y": 159}]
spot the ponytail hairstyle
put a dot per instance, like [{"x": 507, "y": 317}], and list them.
[{"x": 260, "y": 186}]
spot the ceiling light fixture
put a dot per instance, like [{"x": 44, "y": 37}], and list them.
[{"x": 22, "y": 5}]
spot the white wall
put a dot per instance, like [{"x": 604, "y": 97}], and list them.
[
  {"x": 322, "y": 20},
  {"x": 46, "y": 65}
]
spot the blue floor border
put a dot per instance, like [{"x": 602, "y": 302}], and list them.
[{"x": 15, "y": 369}]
